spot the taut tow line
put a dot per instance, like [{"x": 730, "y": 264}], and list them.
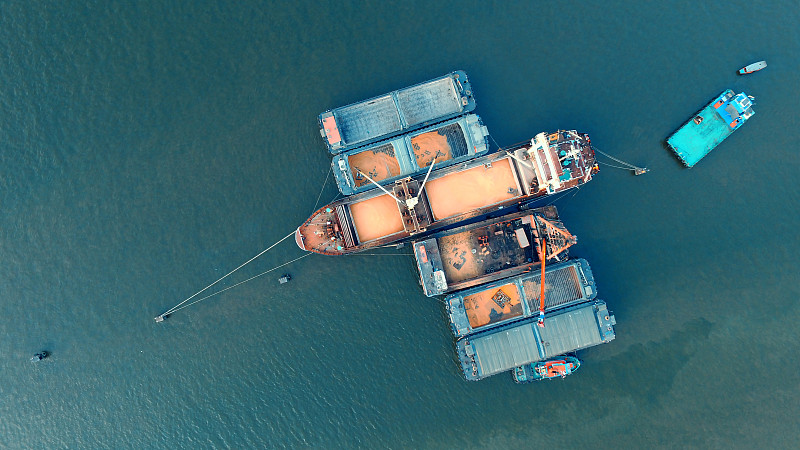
[{"x": 162, "y": 316}]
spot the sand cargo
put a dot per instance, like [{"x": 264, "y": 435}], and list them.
[{"x": 446, "y": 143}]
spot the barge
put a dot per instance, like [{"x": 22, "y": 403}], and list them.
[
  {"x": 414, "y": 206},
  {"x": 447, "y": 143},
  {"x": 478, "y": 253},
  {"x": 397, "y": 112},
  {"x": 491, "y": 305},
  {"x": 710, "y": 126},
  {"x": 516, "y": 344}
]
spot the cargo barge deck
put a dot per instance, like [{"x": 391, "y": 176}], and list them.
[
  {"x": 478, "y": 253},
  {"x": 397, "y": 112},
  {"x": 490, "y": 305},
  {"x": 516, "y": 344},
  {"x": 546, "y": 165},
  {"x": 447, "y": 143},
  {"x": 710, "y": 126}
]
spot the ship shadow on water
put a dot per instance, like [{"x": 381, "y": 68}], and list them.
[{"x": 653, "y": 367}]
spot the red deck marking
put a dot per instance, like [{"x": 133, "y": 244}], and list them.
[
  {"x": 423, "y": 255},
  {"x": 331, "y": 130}
]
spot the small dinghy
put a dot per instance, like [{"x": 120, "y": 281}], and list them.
[
  {"x": 755, "y": 67},
  {"x": 40, "y": 356}
]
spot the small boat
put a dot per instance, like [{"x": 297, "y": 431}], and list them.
[
  {"x": 285, "y": 278},
  {"x": 750, "y": 68},
  {"x": 40, "y": 356},
  {"x": 546, "y": 370}
]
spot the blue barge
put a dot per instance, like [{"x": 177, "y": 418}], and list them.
[
  {"x": 397, "y": 112},
  {"x": 710, "y": 126},
  {"x": 444, "y": 144},
  {"x": 516, "y": 344}
]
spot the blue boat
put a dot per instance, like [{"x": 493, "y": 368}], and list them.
[
  {"x": 397, "y": 112},
  {"x": 710, "y": 126},
  {"x": 750, "y": 68}
]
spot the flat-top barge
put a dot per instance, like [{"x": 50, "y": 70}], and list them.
[
  {"x": 397, "y": 112},
  {"x": 446, "y": 143},
  {"x": 710, "y": 126},
  {"x": 490, "y": 305},
  {"x": 548, "y": 164},
  {"x": 478, "y": 253},
  {"x": 518, "y": 343}
]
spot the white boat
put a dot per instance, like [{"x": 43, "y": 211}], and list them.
[{"x": 755, "y": 67}]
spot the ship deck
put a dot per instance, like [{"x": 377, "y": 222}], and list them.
[
  {"x": 370, "y": 120},
  {"x": 523, "y": 342},
  {"x": 460, "y": 192},
  {"x": 481, "y": 251},
  {"x": 477, "y": 308},
  {"x": 383, "y": 162},
  {"x": 694, "y": 141}
]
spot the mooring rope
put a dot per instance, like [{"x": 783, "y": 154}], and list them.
[
  {"x": 495, "y": 142},
  {"x": 323, "y": 188},
  {"x": 175, "y": 308},
  {"x": 628, "y": 166},
  {"x": 564, "y": 194},
  {"x": 238, "y": 284},
  {"x": 612, "y": 165}
]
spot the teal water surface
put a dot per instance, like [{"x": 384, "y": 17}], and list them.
[{"x": 147, "y": 148}]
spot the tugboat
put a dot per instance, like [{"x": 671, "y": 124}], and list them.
[
  {"x": 546, "y": 370},
  {"x": 40, "y": 356},
  {"x": 750, "y": 68}
]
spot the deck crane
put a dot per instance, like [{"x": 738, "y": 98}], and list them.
[{"x": 559, "y": 240}]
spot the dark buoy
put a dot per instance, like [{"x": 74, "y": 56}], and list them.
[
  {"x": 40, "y": 356},
  {"x": 285, "y": 279}
]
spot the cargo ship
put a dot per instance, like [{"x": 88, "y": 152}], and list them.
[
  {"x": 491, "y": 305},
  {"x": 478, "y": 253},
  {"x": 397, "y": 112},
  {"x": 518, "y": 343},
  {"x": 443, "y": 198},
  {"x": 444, "y": 144},
  {"x": 710, "y": 126},
  {"x": 546, "y": 370}
]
